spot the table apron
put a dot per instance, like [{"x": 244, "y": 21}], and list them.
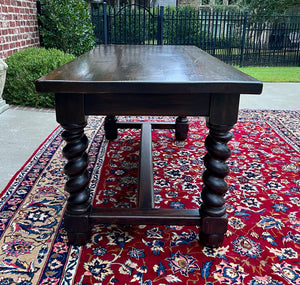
[{"x": 147, "y": 104}]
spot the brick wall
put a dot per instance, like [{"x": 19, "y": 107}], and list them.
[{"x": 18, "y": 26}]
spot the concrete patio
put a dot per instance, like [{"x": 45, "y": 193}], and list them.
[{"x": 24, "y": 129}]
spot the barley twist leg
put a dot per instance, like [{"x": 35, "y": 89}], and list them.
[
  {"x": 213, "y": 210},
  {"x": 76, "y": 217}
]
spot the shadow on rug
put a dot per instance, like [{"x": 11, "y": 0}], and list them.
[{"x": 262, "y": 244}]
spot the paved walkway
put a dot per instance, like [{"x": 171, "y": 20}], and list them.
[
  {"x": 23, "y": 130},
  {"x": 277, "y": 96}
]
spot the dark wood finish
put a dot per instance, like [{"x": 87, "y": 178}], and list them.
[
  {"x": 181, "y": 128},
  {"x": 138, "y": 125},
  {"x": 137, "y": 216},
  {"x": 127, "y": 69},
  {"x": 110, "y": 127},
  {"x": 147, "y": 104},
  {"x": 76, "y": 217},
  {"x": 147, "y": 80},
  {"x": 145, "y": 196},
  {"x": 213, "y": 210}
]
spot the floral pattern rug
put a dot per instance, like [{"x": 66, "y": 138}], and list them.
[{"x": 262, "y": 244}]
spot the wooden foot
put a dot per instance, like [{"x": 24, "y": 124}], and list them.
[
  {"x": 110, "y": 127},
  {"x": 78, "y": 228},
  {"x": 213, "y": 230},
  {"x": 181, "y": 128},
  {"x": 213, "y": 210}
]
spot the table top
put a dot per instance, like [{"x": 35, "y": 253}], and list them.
[{"x": 147, "y": 69}]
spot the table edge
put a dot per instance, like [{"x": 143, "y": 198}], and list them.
[{"x": 125, "y": 87}]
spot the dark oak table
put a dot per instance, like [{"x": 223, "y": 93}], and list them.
[{"x": 176, "y": 81}]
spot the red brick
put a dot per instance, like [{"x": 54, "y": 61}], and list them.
[
  {"x": 8, "y": 16},
  {"x": 18, "y": 25}
]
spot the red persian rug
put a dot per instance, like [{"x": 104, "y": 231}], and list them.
[{"x": 262, "y": 244}]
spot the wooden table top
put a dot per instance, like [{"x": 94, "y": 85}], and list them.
[{"x": 147, "y": 69}]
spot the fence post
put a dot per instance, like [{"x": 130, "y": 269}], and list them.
[
  {"x": 160, "y": 26},
  {"x": 215, "y": 23},
  {"x": 243, "y": 39},
  {"x": 105, "y": 23}
]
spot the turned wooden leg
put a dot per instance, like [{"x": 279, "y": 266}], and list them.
[
  {"x": 181, "y": 128},
  {"x": 213, "y": 210},
  {"x": 76, "y": 218},
  {"x": 110, "y": 127}
]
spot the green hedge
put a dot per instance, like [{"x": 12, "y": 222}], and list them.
[
  {"x": 182, "y": 26},
  {"x": 24, "y": 68}
]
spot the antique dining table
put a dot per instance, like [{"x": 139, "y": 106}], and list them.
[{"x": 179, "y": 81}]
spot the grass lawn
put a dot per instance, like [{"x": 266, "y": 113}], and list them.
[{"x": 273, "y": 74}]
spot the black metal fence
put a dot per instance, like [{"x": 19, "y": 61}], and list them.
[{"x": 234, "y": 37}]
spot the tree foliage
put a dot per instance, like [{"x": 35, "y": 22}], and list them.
[
  {"x": 66, "y": 25},
  {"x": 268, "y": 6}
]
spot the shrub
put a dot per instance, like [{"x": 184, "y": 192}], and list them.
[
  {"x": 182, "y": 25},
  {"x": 24, "y": 68},
  {"x": 66, "y": 25}
]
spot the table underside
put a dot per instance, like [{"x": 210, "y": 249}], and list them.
[
  {"x": 145, "y": 213},
  {"x": 211, "y": 217}
]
